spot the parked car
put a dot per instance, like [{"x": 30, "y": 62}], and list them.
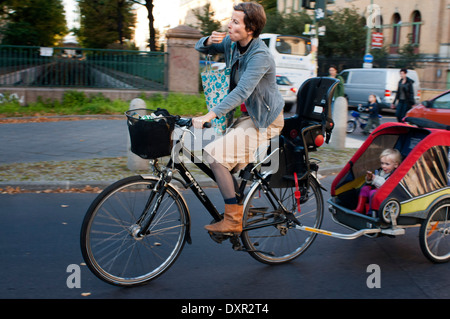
[
  {"x": 288, "y": 91},
  {"x": 436, "y": 109},
  {"x": 359, "y": 83}
]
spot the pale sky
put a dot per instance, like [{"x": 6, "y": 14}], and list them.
[{"x": 69, "y": 7}]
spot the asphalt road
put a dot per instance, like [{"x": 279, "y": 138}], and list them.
[
  {"x": 39, "y": 246},
  {"x": 40, "y": 240}
]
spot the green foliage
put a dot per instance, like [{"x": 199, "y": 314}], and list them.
[
  {"x": 274, "y": 23},
  {"x": 345, "y": 34},
  {"x": 291, "y": 24},
  {"x": 270, "y": 6},
  {"x": 33, "y": 22},
  {"x": 73, "y": 99},
  {"x": 408, "y": 58},
  {"x": 105, "y": 22},
  {"x": 78, "y": 103},
  {"x": 206, "y": 18},
  {"x": 177, "y": 103},
  {"x": 380, "y": 57}
]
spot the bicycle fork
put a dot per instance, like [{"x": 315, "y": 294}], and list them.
[{"x": 141, "y": 228}]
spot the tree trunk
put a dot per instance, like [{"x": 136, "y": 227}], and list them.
[
  {"x": 152, "y": 39},
  {"x": 120, "y": 22}
]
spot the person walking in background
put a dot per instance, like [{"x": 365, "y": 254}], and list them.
[
  {"x": 404, "y": 96},
  {"x": 339, "y": 91}
]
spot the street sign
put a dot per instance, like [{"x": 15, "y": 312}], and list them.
[
  {"x": 377, "y": 40},
  {"x": 368, "y": 58},
  {"x": 320, "y": 14},
  {"x": 311, "y": 30}
]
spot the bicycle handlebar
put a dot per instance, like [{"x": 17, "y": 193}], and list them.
[{"x": 188, "y": 123}]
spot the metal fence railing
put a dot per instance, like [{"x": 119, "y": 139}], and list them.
[{"x": 78, "y": 67}]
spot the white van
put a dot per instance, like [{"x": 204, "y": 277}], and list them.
[
  {"x": 292, "y": 55},
  {"x": 359, "y": 83}
]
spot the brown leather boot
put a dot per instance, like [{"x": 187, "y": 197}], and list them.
[
  {"x": 361, "y": 208},
  {"x": 231, "y": 222}
]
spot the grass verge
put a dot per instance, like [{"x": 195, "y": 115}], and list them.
[{"x": 78, "y": 103}]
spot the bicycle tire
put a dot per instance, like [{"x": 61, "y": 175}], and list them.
[
  {"x": 109, "y": 244},
  {"x": 434, "y": 233},
  {"x": 282, "y": 243},
  {"x": 351, "y": 126}
]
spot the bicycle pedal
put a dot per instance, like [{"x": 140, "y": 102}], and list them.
[
  {"x": 218, "y": 237},
  {"x": 224, "y": 234},
  {"x": 231, "y": 234}
]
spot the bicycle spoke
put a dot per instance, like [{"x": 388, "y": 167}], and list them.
[
  {"x": 434, "y": 234},
  {"x": 272, "y": 238}
]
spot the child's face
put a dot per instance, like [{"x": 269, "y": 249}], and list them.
[
  {"x": 372, "y": 99},
  {"x": 388, "y": 165}
]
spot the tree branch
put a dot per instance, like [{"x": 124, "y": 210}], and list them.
[{"x": 138, "y": 2}]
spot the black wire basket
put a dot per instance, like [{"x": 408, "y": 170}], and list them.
[{"x": 150, "y": 136}]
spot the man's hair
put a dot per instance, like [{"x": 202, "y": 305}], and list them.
[{"x": 254, "y": 16}]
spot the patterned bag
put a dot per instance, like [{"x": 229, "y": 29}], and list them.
[{"x": 216, "y": 84}]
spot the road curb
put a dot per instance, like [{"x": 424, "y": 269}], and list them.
[{"x": 68, "y": 185}]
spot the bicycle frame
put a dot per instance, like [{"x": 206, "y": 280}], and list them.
[{"x": 189, "y": 181}]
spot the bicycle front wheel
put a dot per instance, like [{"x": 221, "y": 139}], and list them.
[
  {"x": 109, "y": 242},
  {"x": 282, "y": 242}
]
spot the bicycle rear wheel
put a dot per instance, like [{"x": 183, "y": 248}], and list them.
[
  {"x": 281, "y": 243},
  {"x": 109, "y": 242},
  {"x": 351, "y": 126}
]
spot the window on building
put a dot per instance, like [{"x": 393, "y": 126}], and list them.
[
  {"x": 379, "y": 23},
  {"x": 396, "y": 21},
  {"x": 416, "y": 22}
]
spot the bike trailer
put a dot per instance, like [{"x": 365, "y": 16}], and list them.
[{"x": 420, "y": 181}]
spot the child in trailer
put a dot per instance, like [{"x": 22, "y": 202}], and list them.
[{"x": 390, "y": 159}]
